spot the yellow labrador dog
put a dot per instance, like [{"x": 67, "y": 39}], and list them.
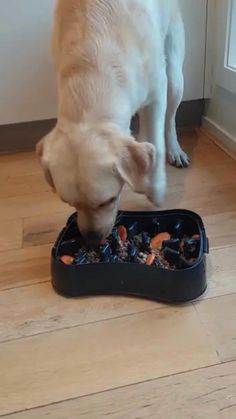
[{"x": 114, "y": 58}]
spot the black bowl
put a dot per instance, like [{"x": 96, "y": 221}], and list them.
[{"x": 172, "y": 286}]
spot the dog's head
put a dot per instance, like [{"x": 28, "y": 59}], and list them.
[{"x": 88, "y": 167}]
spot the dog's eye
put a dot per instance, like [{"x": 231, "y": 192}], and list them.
[{"x": 109, "y": 202}]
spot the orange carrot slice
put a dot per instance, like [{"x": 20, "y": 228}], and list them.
[
  {"x": 67, "y": 260},
  {"x": 122, "y": 233},
  {"x": 150, "y": 259},
  {"x": 157, "y": 241}
]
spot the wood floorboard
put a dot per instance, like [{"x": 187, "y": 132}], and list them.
[{"x": 116, "y": 357}]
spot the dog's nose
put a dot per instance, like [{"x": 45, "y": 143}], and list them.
[{"x": 93, "y": 237}]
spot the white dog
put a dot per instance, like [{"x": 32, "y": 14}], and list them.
[{"x": 114, "y": 58}]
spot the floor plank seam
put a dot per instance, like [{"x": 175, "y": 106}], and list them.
[
  {"x": 24, "y": 286},
  {"x": 161, "y": 307},
  {"x": 2, "y": 252},
  {"x": 205, "y": 298},
  {"x": 226, "y": 246},
  {"x": 47, "y": 332},
  {"x": 151, "y": 380}
]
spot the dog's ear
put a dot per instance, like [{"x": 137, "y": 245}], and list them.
[
  {"x": 136, "y": 163},
  {"x": 43, "y": 162}
]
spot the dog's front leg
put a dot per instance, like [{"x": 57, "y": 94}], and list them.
[{"x": 156, "y": 115}]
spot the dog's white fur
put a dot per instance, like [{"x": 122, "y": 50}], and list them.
[{"x": 114, "y": 58}]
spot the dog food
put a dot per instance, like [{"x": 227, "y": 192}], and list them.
[{"x": 128, "y": 245}]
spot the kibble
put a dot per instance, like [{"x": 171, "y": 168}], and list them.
[{"x": 129, "y": 245}]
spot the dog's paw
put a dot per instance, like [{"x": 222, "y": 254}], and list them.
[{"x": 178, "y": 158}]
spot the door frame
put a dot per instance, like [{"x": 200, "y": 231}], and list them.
[
  {"x": 210, "y": 49},
  {"x": 218, "y": 28}
]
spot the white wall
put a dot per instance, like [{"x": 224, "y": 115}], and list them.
[{"x": 27, "y": 81}]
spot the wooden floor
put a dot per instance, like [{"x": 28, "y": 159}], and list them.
[{"x": 122, "y": 358}]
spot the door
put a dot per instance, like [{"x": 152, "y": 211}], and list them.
[{"x": 226, "y": 44}]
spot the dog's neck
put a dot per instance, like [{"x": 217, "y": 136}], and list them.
[
  {"x": 72, "y": 109},
  {"x": 89, "y": 93}
]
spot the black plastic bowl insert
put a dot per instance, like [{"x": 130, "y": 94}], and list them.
[{"x": 172, "y": 286}]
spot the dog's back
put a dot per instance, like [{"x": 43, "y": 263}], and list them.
[{"x": 124, "y": 36}]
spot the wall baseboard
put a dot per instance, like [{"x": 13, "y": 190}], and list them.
[
  {"x": 24, "y": 136},
  {"x": 190, "y": 113},
  {"x": 220, "y": 136}
]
